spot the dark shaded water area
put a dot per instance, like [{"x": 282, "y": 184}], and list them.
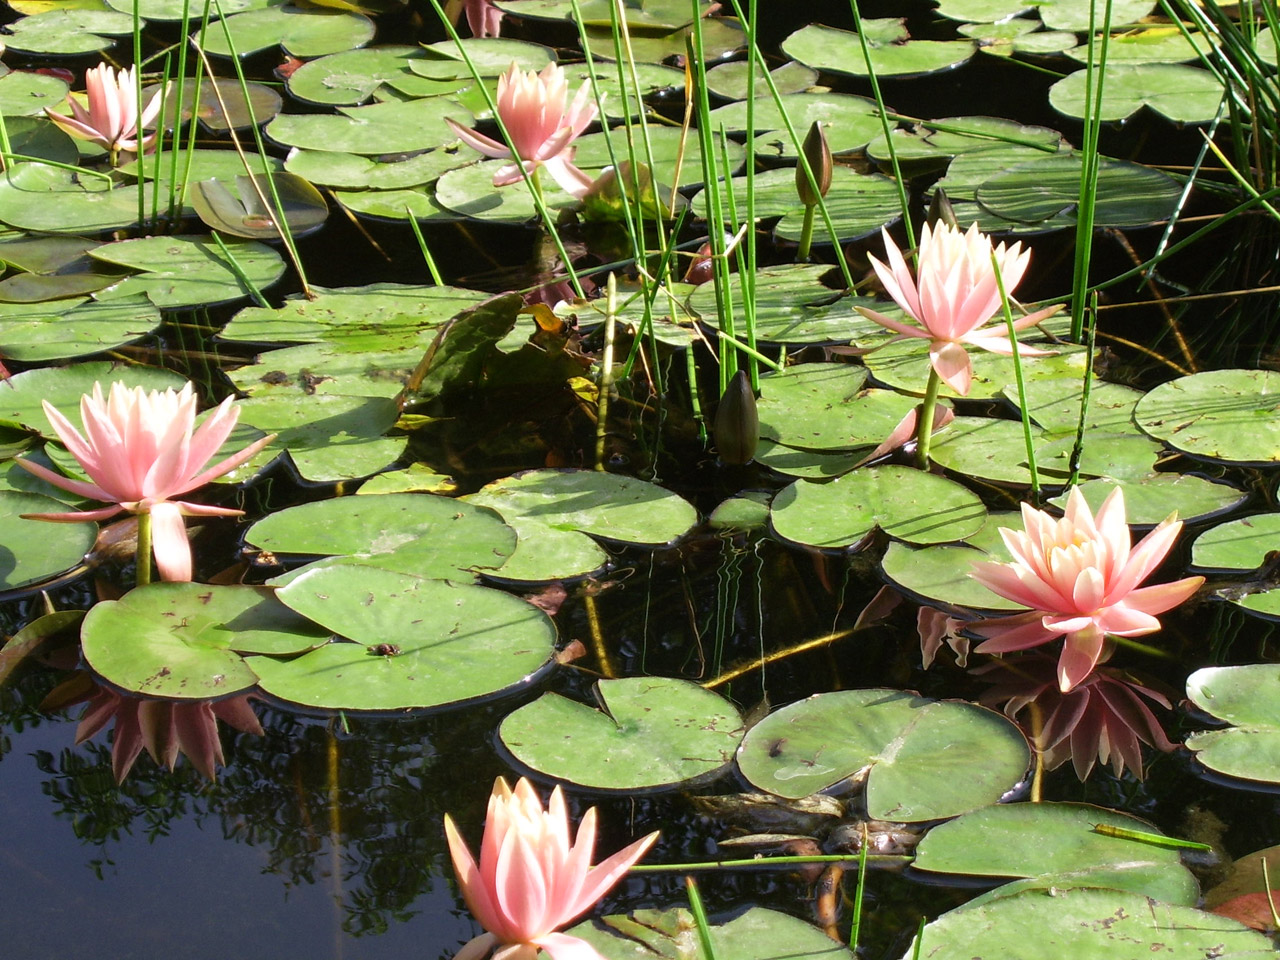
[{"x": 323, "y": 837}]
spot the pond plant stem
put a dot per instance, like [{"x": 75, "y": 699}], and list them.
[
  {"x": 855, "y": 926},
  {"x": 605, "y": 382},
  {"x": 924, "y": 426},
  {"x": 598, "y": 646},
  {"x": 760, "y": 664},
  {"x": 806, "y": 235},
  {"x": 143, "y": 552},
  {"x": 432, "y": 269},
  {"x": 1093, "y": 89},
  {"x": 699, "y": 918},
  {"x": 1023, "y": 406},
  {"x": 703, "y": 866},
  {"x": 1077, "y": 448}
]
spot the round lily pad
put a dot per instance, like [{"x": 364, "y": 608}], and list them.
[
  {"x": 905, "y": 503},
  {"x": 263, "y": 104},
  {"x": 652, "y": 732},
  {"x": 809, "y": 464},
  {"x": 668, "y": 146},
  {"x": 182, "y": 271},
  {"x": 27, "y": 331},
  {"x": 418, "y": 642},
  {"x": 185, "y": 640},
  {"x": 425, "y": 535},
  {"x": 1223, "y": 414},
  {"x": 470, "y": 191},
  {"x": 986, "y": 448},
  {"x": 20, "y": 400},
  {"x": 380, "y": 128},
  {"x": 1085, "y": 924},
  {"x": 826, "y": 406},
  {"x": 544, "y": 552},
  {"x": 26, "y": 94},
  {"x": 353, "y": 76},
  {"x": 904, "y": 365},
  {"x": 1237, "y": 546},
  {"x": 244, "y": 213},
  {"x": 38, "y": 197},
  {"x": 356, "y": 172},
  {"x": 1181, "y": 93},
  {"x": 1247, "y": 697},
  {"x": 1156, "y": 496},
  {"x": 607, "y": 505},
  {"x": 926, "y": 759},
  {"x": 1057, "y": 841},
  {"x": 952, "y": 136},
  {"x": 348, "y": 373},
  {"x": 303, "y": 32},
  {"x": 893, "y": 53},
  {"x": 848, "y": 121},
  {"x": 68, "y": 31},
  {"x": 941, "y": 574},
  {"x": 36, "y": 550},
  {"x": 729, "y": 80}
]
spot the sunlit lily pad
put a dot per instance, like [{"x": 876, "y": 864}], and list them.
[
  {"x": 809, "y": 464},
  {"x": 244, "y": 214},
  {"x": 1056, "y": 841},
  {"x": 329, "y": 368},
  {"x": 68, "y": 32},
  {"x": 172, "y": 10},
  {"x": 26, "y": 94},
  {"x": 1076, "y": 15},
  {"x": 651, "y": 732},
  {"x": 986, "y": 448},
  {"x": 941, "y": 573},
  {"x": 729, "y": 80},
  {"x": 490, "y": 56},
  {"x": 263, "y": 104},
  {"x": 927, "y": 759},
  {"x": 826, "y": 406},
  {"x": 905, "y": 503},
  {"x": 302, "y": 32},
  {"x": 655, "y": 15},
  {"x": 721, "y": 37},
  {"x": 1181, "y": 93},
  {"x": 51, "y": 268},
  {"x": 1087, "y": 924},
  {"x": 1156, "y": 496},
  {"x": 353, "y": 76},
  {"x": 76, "y": 327},
  {"x": 848, "y": 121},
  {"x": 1247, "y": 697},
  {"x": 35, "y": 550},
  {"x": 393, "y": 127},
  {"x": 905, "y": 366},
  {"x": 412, "y": 533},
  {"x": 185, "y": 640},
  {"x": 358, "y": 173},
  {"x": 952, "y": 136},
  {"x": 757, "y": 934},
  {"x": 37, "y": 137},
  {"x": 1229, "y": 415},
  {"x": 36, "y": 196},
  {"x": 206, "y": 165},
  {"x": 1157, "y": 43},
  {"x": 182, "y": 271},
  {"x": 21, "y": 396},
  {"x": 1237, "y": 546},
  {"x": 666, "y": 142},
  {"x": 470, "y": 191},
  {"x": 893, "y": 53},
  {"x": 445, "y": 643}
]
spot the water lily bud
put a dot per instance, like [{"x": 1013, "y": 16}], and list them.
[
  {"x": 941, "y": 211},
  {"x": 818, "y": 154},
  {"x": 737, "y": 425}
]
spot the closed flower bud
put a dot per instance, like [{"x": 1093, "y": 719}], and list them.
[
  {"x": 737, "y": 425},
  {"x": 818, "y": 154}
]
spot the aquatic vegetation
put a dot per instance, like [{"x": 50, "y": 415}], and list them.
[
  {"x": 1080, "y": 577},
  {"x": 532, "y": 879},
  {"x": 141, "y": 450},
  {"x": 111, "y": 120},
  {"x": 532, "y": 106}
]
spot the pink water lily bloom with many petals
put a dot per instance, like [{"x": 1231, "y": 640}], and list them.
[
  {"x": 1080, "y": 578},
  {"x": 542, "y": 130},
  {"x": 112, "y": 118},
  {"x": 531, "y": 880},
  {"x": 141, "y": 449},
  {"x": 953, "y": 294}
]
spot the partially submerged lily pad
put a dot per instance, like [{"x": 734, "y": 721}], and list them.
[{"x": 1247, "y": 697}]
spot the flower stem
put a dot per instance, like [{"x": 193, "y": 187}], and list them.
[
  {"x": 144, "y": 549},
  {"x": 535, "y": 181},
  {"x": 924, "y": 430},
  {"x": 806, "y": 235}
]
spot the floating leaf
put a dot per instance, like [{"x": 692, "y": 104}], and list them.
[
  {"x": 245, "y": 214},
  {"x": 1156, "y": 496},
  {"x": 1247, "y": 697},
  {"x": 941, "y": 573},
  {"x": 924, "y": 759},
  {"x": 848, "y": 121},
  {"x": 446, "y": 643},
  {"x": 1180, "y": 93},
  {"x": 182, "y": 271},
  {"x": 380, "y": 128},
  {"x": 302, "y": 32},
  {"x": 893, "y": 53},
  {"x": 35, "y": 550},
  {"x": 825, "y": 406},
  {"x": 1237, "y": 546},
  {"x": 357, "y": 172},
  {"x": 729, "y": 80},
  {"x": 41, "y": 198},
  {"x": 215, "y": 95},
  {"x": 26, "y": 94},
  {"x": 1229, "y": 415},
  {"x": 757, "y": 934},
  {"x": 68, "y": 32},
  {"x": 905, "y": 503},
  {"x": 73, "y": 328},
  {"x": 22, "y": 396},
  {"x": 652, "y": 732}
]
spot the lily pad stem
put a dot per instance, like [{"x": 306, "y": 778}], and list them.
[
  {"x": 924, "y": 430},
  {"x": 144, "y": 548},
  {"x": 535, "y": 182},
  {"x": 806, "y": 235},
  {"x": 850, "y": 858}
]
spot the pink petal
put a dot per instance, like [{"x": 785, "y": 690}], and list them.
[
  {"x": 562, "y": 946},
  {"x": 1079, "y": 656},
  {"x": 169, "y": 542},
  {"x": 1160, "y": 597},
  {"x": 473, "y": 887},
  {"x": 478, "y": 141},
  {"x": 608, "y": 872},
  {"x": 90, "y": 491},
  {"x": 520, "y": 888},
  {"x": 572, "y": 181},
  {"x": 477, "y": 948},
  {"x": 227, "y": 465},
  {"x": 905, "y": 329},
  {"x": 951, "y": 361},
  {"x": 1006, "y": 634},
  {"x": 81, "y": 516}
]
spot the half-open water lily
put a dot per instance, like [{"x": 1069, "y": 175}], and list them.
[{"x": 111, "y": 121}]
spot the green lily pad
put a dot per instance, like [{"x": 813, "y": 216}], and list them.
[
  {"x": 1056, "y": 840},
  {"x": 417, "y": 202},
  {"x": 416, "y": 478},
  {"x": 1074, "y": 15},
  {"x": 421, "y": 534},
  {"x": 652, "y": 732},
  {"x": 654, "y": 15},
  {"x": 1129, "y": 194},
  {"x": 245, "y": 215},
  {"x": 1156, "y": 43},
  {"x": 1237, "y": 546},
  {"x": 328, "y": 368},
  {"x": 904, "y": 365},
  {"x": 73, "y": 328},
  {"x": 353, "y": 76},
  {"x": 607, "y": 505},
  {"x": 941, "y": 573},
  {"x": 544, "y": 553},
  {"x": 667, "y": 145},
  {"x": 1086, "y": 924},
  {"x": 985, "y": 448},
  {"x": 729, "y": 80},
  {"x": 48, "y": 268},
  {"x": 173, "y": 10},
  {"x": 825, "y": 406},
  {"x": 893, "y": 53},
  {"x": 378, "y": 316},
  {"x": 20, "y": 400},
  {"x": 185, "y": 640},
  {"x": 927, "y": 759},
  {"x": 37, "y": 137},
  {"x": 491, "y": 56},
  {"x": 36, "y": 550},
  {"x": 302, "y": 32},
  {"x": 748, "y": 511},
  {"x": 181, "y": 271},
  {"x": 1178, "y": 92},
  {"x": 849, "y": 122},
  {"x": 448, "y": 642},
  {"x": 1247, "y": 698},
  {"x": 68, "y": 32},
  {"x": 809, "y": 464},
  {"x": 240, "y": 114},
  {"x": 792, "y": 306},
  {"x": 953, "y": 136},
  {"x": 721, "y": 37},
  {"x": 208, "y": 165},
  {"x": 356, "y": 172},
  {"x": 470, "y": 191},
  {"x": 1222, "y": 414},
  {"x": 1157, "y": 495},
  {"x": 757, "y": 934},
  {"x": 45, "y": 199},
  {"x": 905, "y": 503},
  {"x": 26, "y": 94},
  {"x": 380, "y": 128}
]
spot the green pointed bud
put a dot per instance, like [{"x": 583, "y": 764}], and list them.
[
  {"x": 941, "y": 211},
  {"x": 818, "y": 154},
  {"x": 737, "y": 426}
]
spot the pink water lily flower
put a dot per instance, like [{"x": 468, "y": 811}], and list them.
[
  {"x": 483, "y": 17},
  {"x": 1080, "y": 578},
  {"x": 112, "y": 118},
  {"x": 141, "y": 449},
  {"x": 531, "y": 880},
  {"x": 952, "y": 295},
  {"x": 542, "y": 130}
]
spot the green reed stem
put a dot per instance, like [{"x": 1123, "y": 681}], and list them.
[
  {"x": 700, "y": 918},
  {"x": 544, "y": 212},
  {"x": 137, "y": 124},
  {"x": 83, "y": 171},
  {"x": 806, "y": 234},
  {"x": 855, "y": 927},
  {"x": 1023, "y": 405},
  {"x": 1140, "y": 647},
  {"x": 747, "y": 270},
  {"x": 924, "y": 420},
  {"x": 1085, "y": 208},
  {"x": 606, "y": 368},
  {"x": 144, "y": 549},
  {"x": 1077, "y": 448},
  {"x": 239, "y": 271},
  {"x": 749, "y": 351},
  {"x": 426, "y": 251}
]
